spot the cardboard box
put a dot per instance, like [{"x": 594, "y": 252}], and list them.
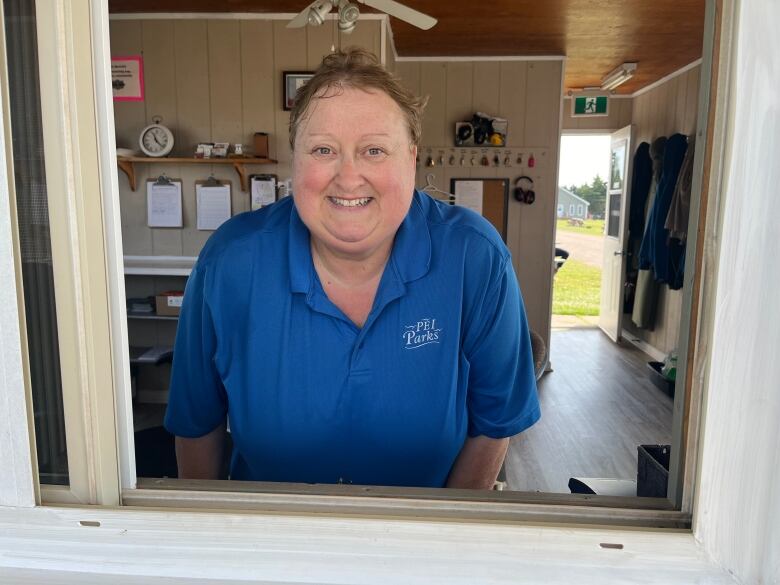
[
  {"x": 261, "y": 144},
  {"x": 168, "y": 303}
]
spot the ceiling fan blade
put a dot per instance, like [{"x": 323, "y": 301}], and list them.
[
  {"x": 402, "y": 12},
  {"x": 302, "y": 18}
]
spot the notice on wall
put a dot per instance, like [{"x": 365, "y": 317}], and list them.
[
  {"x": 213, "y": 205},
  {"x": 263, "y": 192},
  {"x": 163, "y": 204},
  {"x": 469, "y": 194},
  {"x": 127, "y": 78}
]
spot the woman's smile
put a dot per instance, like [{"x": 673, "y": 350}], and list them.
[{"x": 350, "y": 203}]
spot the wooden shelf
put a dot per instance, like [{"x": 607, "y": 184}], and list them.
[{"x": 127, "y": 164}]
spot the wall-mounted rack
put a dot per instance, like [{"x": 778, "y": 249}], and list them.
[
  {"x": 465, "y": 157},
  {"x": 127, "y": 164}
]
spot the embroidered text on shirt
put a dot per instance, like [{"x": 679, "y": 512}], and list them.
[{"x": 421, "y": 333}]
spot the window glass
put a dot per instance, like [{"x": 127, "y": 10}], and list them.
[
  {"x": 613, "y": 221},
  {"x": 34, "y": 240}
]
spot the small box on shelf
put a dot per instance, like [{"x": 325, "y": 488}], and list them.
[
  {"x": 261, "y": 144},
  {"x": 169, "y": 302}
]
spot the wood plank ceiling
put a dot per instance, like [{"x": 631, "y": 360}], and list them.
[{"x": 595, "y": 35}]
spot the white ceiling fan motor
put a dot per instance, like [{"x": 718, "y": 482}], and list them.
[
  {"x": 318, "y": 11},
  {"x": 348, "y": 16}
]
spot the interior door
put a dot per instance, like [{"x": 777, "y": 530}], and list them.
[{"x": 615, "y": 232}]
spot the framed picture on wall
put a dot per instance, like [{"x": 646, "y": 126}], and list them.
[{"x": 292, "y": 81}]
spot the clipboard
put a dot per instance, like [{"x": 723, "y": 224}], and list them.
[
  {"x": 163, "y": 203},
  {"x": 213, "y": 203},
  {"x": 262, "y": 191}
]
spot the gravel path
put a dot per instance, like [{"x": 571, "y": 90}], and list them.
[{"x": 583, "y": 247}]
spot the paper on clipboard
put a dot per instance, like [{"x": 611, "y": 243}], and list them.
[
  {"x": 213, "y": 205},
  {"x": 163, "y": 204},
  {"x": 469, "y": 194},
  {"x": 263, "y": 192}
]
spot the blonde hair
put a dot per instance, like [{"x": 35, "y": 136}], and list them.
[{"x": 357, "y": 68}]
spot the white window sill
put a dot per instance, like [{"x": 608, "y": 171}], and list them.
[{"x": 77, "y": 545}]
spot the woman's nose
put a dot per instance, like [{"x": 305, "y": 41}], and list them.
[{"x": 348, "y": 174}]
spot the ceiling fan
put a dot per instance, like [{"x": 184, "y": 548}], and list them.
[{"x": 314, "y": 14}]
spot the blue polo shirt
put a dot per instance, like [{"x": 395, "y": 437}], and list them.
[{"x": 444, "y": 353}]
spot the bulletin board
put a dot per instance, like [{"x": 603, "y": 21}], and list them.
[{"x": 490, "y": 196}]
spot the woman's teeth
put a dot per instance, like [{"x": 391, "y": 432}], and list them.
[{"x": 350, "y": 202}]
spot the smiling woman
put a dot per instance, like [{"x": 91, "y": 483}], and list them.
[{"x": 395, "y": 344}]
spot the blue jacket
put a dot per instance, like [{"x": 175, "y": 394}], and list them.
[{"x": 658, "y": 253}]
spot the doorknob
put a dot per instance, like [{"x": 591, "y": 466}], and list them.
[{"x": 619, "y": 253}]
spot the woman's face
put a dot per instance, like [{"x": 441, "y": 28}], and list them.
[{"x": 353, "y": 171}]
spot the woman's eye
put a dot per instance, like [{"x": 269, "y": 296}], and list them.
[
  {"x": 375, "y": 151},
  {"x": 322, "y": 150}
]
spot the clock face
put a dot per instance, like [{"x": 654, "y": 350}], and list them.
[{"x": 156, "y": 140}]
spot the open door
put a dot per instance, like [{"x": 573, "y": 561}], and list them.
[{"x": 615, "y": 232}]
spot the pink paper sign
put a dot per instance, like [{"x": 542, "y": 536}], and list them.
[{"x": 127, "y": 78}]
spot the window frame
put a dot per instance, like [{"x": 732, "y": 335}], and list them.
[
  {"x": 78, "y": 255},
  {"x": 80, "y": 158}
]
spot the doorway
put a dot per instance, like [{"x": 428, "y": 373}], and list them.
[{"x": 579, "y": 236}]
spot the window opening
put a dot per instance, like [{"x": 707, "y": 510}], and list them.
[{"x": 34, "y": 241}]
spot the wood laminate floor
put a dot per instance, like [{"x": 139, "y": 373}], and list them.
[{"x": 598, "y": 406}]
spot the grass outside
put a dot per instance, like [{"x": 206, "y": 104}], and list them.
[
  {"x": 591, "y": 227},
  {"x": 576, "y": 290}
]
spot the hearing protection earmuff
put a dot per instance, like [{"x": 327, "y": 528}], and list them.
[{"x": 522, "y": 194}]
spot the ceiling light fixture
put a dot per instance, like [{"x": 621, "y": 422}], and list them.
[
  {"x": 348, "y": 16},
  {"x": 618, "y": 76},
  {"x": 318, "y": 11}
]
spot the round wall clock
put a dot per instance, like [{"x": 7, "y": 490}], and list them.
[{"x": 156, "y": 140}]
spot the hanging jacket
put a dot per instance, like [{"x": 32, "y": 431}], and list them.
[
  {"x": 677, "y": 220},
  {"x": 646, "y": 294},
  {"x": 640, "y": 187},
  {"x": 657, "y": 252}
]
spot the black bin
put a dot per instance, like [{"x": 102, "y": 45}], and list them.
[
  {"x": 652, "y": 476},
  {"x": 659, "y": 380}
]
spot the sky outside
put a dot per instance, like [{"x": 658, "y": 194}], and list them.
[{"x": 582, "y": 158}]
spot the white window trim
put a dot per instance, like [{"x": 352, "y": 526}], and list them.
[
  {"x": 121, "y": 546},
  {"x": 78, "y": 258}
]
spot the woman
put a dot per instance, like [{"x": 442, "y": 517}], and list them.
[{"x": 358, "y": 332}]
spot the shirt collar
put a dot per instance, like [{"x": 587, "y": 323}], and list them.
[
  {"x": 411, "y": 254},
  {"x": 410, "y": 258},
  {"x": 301, "y": 265}
]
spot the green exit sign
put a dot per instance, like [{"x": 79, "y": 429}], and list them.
[{"x": 584, "y": 106}]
